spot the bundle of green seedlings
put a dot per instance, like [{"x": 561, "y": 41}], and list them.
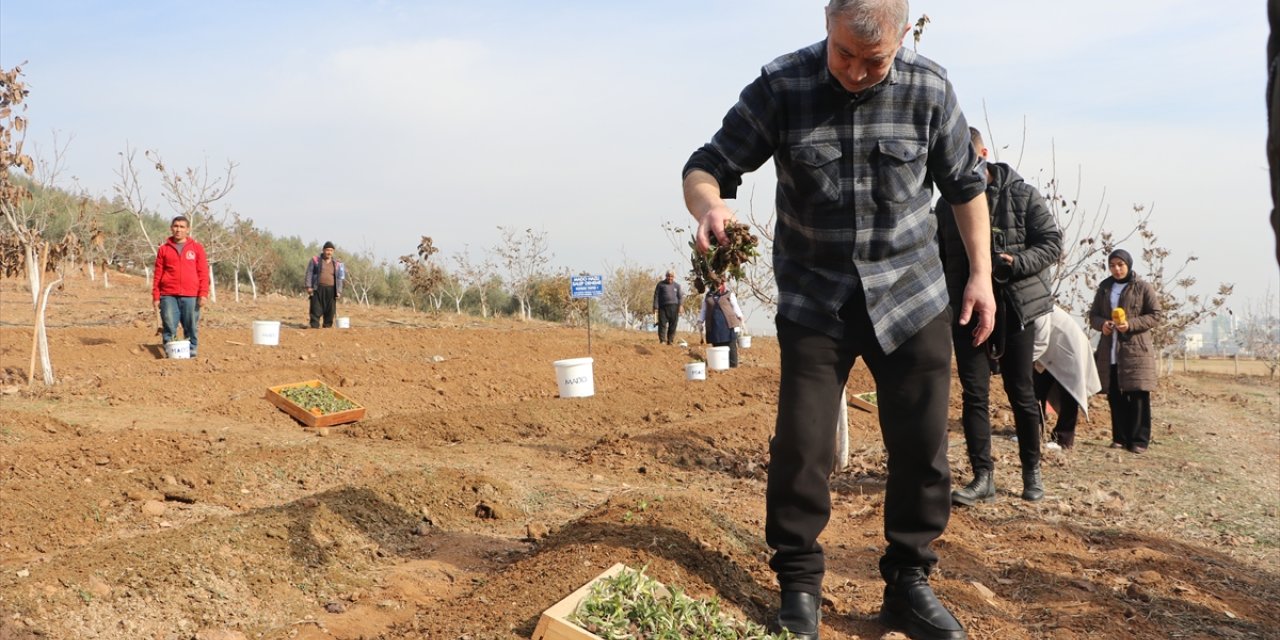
[
  {"x": 633, "y": 605},
  {"x": 870, "y": 397},
  {"x": 318, "y": 400},
  {"x": 719, "y": 262}
]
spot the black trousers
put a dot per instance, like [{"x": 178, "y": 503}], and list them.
[
  {"x": 974, "y": 370},
  {"x": 668, "y": 317},
  {"x": 1130, "y": 414},
  {"x": 1069, "y": 414},
  {"x": 912, "y": 385},
  {"x": 324, "y": 303}
]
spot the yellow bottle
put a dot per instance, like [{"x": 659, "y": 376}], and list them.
[{"x": 1117, "y": 315}]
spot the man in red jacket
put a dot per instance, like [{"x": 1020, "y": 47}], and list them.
[{"x": 181, "y": 282}]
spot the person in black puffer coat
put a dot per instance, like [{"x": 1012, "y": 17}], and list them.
[{"x": 1025, "y": 243}]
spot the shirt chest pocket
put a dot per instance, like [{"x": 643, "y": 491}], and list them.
[
  {"x": 900, "y": 169},
  {"x": 816, "y": 172}
]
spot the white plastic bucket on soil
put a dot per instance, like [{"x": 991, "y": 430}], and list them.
[
  {"x": 574, "y": 377},
  {"x": 744, "y": 341},
  {"x": 177, "y": 349},
  {"x": 266, "y": 332},
  {"x": 695, "y": 371},
  {"x": 344, "y": 323},
  {"x": 718, "y": 358}
]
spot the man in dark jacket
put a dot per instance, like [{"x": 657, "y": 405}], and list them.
[
  {"x": 324, "y": 285},
  {"x": 1025, "y": 242},
  {"x": 667, "y": 297}
]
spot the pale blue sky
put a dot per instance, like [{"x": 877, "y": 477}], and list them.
[{"x": 373, "y": 123}]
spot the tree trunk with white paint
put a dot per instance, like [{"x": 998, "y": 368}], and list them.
[{"x": 842, "y": 432}]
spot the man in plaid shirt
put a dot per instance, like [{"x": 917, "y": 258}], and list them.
[{"x": 859, "y": 130}]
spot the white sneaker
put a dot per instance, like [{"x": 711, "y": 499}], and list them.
[{"x": 1053, "y": 446}]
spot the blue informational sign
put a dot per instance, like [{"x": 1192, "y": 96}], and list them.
[{"x": 586, "y": 286}]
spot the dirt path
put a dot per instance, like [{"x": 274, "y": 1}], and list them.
[{"x": 146, "y": 498}]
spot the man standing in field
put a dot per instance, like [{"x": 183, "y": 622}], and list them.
[
  {"x": 181, "y": 282},
  {"x": 324, "y": 277},
  {"x": 858, "y": 128},
  {"x": 667, "y": 297}
]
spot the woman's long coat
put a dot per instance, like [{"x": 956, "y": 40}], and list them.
[{"x": 1136, "y": 360}]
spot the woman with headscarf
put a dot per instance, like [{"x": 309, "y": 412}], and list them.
[{"x": 1125, "y": 310}]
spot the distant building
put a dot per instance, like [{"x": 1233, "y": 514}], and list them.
[{"x": 1192, "y": 343}]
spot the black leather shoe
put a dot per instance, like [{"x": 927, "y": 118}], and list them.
[
  {"x": 982, "y": 489},
  {"x": 1032, "y": 487},
  {"x": 911, "y": 607},
  {"x": 799, "y": 614}
]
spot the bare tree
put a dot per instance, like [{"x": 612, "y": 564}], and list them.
[
  {"x": 26, "y": 222},
  {"x": 629, "y": 295},
  {"x": 1086, "y": 244},
  {"x": 193, "y": 190},
  {"x": 1183, "y": 309},
  {"x": 455, "y": 289},
  {"x": 1259, "y": 332},
  {"x": 129, "y": 193},
  {"x": 425, "y": 277},
  {"x": 525, "y": 258},
  {"x": 248, "y": 249},
  {"x": 95, "y": 245},
  {"x": 362, "y": 281},
  {"x": 189, "y": 192},
  {"x": 476, "y": 274}
]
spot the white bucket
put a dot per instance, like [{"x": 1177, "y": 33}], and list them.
[
  {"x": 695, "y": 371},
  {"x": 744, "y": 341},
  {"x": 177, "y": 349},
  {"x": 718, "y": 358},
  {"x": 266, "y": 332},
  {"x": 574, "y": 377},
  {"x": 344, "y": 322}
]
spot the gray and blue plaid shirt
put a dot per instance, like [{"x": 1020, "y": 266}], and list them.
[{"x": 855, "y": 175}]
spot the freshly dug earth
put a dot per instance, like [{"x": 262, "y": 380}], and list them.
[{"x": 166, "y": 499}]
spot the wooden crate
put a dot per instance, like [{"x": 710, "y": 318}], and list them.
[
  {"x": 857, "y": 400},
  {"x": 306, "y": 417},
  {"x": 554, "y": 623}
]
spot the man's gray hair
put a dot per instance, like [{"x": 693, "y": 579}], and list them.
[{"x": 868, "y": 19}]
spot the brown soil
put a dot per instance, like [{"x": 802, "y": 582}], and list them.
[{"x": 166, "y": 499}]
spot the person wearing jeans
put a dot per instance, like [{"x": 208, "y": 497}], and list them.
[
  {"x": 181, "y": 311},
  {"x": 180, "y": 284}
]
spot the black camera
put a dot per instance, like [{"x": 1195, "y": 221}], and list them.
[{"x": 1001, "y": 271}]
